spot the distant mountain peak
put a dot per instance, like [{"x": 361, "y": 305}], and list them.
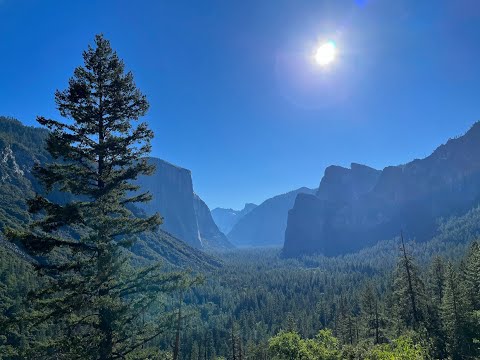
[
  {"x": 265, "y": 224},
  {"x": 227, "y": 218},
  {"x": 249, "y": 207}
]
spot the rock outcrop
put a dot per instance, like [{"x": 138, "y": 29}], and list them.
[
  {"x": 172, "y": 197},
  {"x": 357, "y": 207},
  {"x": 184, "y": 213},
  {"x": 210, "y": 236}
]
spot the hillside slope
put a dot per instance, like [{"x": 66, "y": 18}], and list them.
[{"x": 20, "y": 148}]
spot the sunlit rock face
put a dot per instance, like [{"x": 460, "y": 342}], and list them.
[
  {"x": 20, "y": 148},
  {"x": 184, "y": 214},
  {"x": 357, "y": 207},
  {"x": 210, "y": 236},
  {"x": 172, "y": 191}
]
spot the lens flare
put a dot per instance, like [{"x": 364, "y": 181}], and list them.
[{"x": 325, "y": 54}]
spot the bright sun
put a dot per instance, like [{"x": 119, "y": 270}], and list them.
[{"x": 325, "y": 53}]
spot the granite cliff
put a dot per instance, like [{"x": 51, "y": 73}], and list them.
[
  {"x": 210, "y": 236},
  {"x": 357, "y": 207},
  {"x": 184, "y": 213}
]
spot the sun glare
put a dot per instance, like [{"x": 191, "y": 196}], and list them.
[{"x": 325, "y": 53}]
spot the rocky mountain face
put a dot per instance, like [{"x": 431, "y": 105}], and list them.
[
  {"x": 357, "y": 207},
  {"x": 172, "y": 196},
  {"x": 227, "y": 218},
  {"x": 265, "y": 224},
  {"x": 183, "y": 212},
  {"x": 210, "y": 236},
  {"x": 345, "y": 185},
  {"x": 22, "y": 146}
]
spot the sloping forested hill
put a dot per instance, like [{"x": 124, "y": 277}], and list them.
[{"x": 20, "y": 148}]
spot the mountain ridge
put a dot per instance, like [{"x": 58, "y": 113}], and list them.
[
  {"x": 227, "y": 218},
  {"x": 265, "y": 224},
  {"x": 410, "y": 196}
]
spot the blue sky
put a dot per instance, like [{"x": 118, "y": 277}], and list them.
[{"x": 234, "y": 95}]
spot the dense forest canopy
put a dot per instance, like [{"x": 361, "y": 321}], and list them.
[{"x": 351, "y": 307}]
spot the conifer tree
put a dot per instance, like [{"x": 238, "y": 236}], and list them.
[
  {"x": 236, "y": 343},
  {"x": 436, "y": 289},
  {"x": 9, "y": 338},
  {"x": 472, "y": 276},
  {"x": 91, "y": 293},
  {"x": 409, "y": 289},
  {"x": 454, "y": 316},
  {"x": 371, "y": 313},
  {"x": 208, "y": 346},
  {"x": 291, "y": 324},
  {"x": 437, "y": 280},
  {"x": 471, "y": 290},
  {"x": 176, "y": 345},
  {"x": 346, "y": 322},
  {"x": 182, "y": 286},
  {"x": 195, "y": 353}
]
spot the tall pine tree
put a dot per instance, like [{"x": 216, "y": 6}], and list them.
[
  {"x": 372, "y": 316},
  {"x": 454, "y": 315},
  {"x": 91, "y": 294},
  {"x": 472, "y": 276},
  {"x": 471, "y": 289},
  {"x": 409, "y": 290},
  {"x": 436, "y": 278}
]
